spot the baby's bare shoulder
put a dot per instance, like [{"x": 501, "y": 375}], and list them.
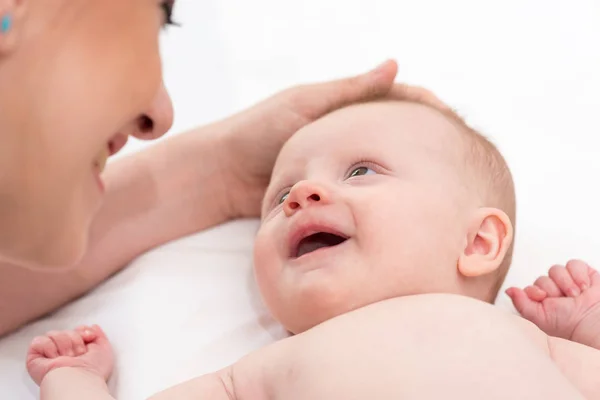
[
  {"x": 435, "y": 320},
  {"x": 434, "y": 345},
  {"x": 432, "y": 313}
]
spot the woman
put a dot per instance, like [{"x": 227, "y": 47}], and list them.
[{"x": 77, "y": 78}]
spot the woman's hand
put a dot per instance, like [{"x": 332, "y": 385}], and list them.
[{"x": 257, "y": 134}]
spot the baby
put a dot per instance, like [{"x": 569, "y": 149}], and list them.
[{"x": 386, "y": 231}]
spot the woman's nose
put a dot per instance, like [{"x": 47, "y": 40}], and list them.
[
  {"x": 305, "y": 194},
  {"x": 158, "y": 119}
]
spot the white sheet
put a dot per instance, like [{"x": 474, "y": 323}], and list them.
[
  {"x": 181, "y": 310},
  {"x": 523, "y": 71}
]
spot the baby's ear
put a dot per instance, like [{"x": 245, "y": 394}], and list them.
[{"x": 489, "y": 237}]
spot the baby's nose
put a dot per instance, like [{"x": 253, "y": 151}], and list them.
[{"x": 305, "y": 194}]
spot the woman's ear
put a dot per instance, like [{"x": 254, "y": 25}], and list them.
[
  {"x": 12, "y": 15},
  {"x": 489, "y": 237}
]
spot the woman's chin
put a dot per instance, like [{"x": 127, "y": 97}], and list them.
[{"x": 58, "y": 255}]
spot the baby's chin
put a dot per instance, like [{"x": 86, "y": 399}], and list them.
[
  {"x": 315, "y": 310},
  {"x": 300, "y": 320}
]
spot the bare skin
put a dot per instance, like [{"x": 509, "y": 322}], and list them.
[
  {"x": 353, "y": 342},
  {"x": 183, "y": 185},
  {"x": 483, "y": 353},
  {"x": 565, "y": 303},
  {"x": 422, "y": 346},
  {"x": 73, "y": 92}
]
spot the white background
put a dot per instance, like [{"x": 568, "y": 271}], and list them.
[{"x": 524, "y": 72}]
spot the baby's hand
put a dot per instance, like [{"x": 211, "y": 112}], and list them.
[
  {"x": 85, "y": 347},
  {"x": 565, "y": 304}
]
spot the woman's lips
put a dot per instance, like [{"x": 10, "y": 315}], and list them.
[
  {"x": 99, "y": 182},
  {"x": 99, "y": 165}
]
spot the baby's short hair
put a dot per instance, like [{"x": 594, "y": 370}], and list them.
[
  {"x": 484, "y": 165},
  {"x": 494, "y": 182}
]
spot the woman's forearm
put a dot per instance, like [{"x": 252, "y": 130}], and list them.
[
  {"x": 174, "y": 188},
  {"x": 73, "y": 384}
]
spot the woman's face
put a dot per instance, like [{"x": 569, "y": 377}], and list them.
[{"x": 80, "y": 78}]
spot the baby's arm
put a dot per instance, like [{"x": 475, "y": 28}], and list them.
[
  {"x": 565, "y": 304},
  {"x": 69, "y": 383},
  {"x": 74, "y": 365},
  {"x": 71, "y": 364},
  {"x": 215, "y": 386}
]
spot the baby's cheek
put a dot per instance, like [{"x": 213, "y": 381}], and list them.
[
  {"x": 266, "y": 263},
  {"x": 265, "y": 248}
]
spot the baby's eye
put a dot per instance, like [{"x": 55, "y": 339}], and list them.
[
  {"x": 283, "y": 197},
  {"x": 359, "y": 171}
]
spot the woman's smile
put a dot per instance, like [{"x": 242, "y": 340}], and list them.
[{"x": 99, "y": 165}]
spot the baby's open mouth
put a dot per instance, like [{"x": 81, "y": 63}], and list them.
[{"x": 318, "y": 241}]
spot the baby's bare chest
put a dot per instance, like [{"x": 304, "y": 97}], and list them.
[{"x": 418, "y": 348}]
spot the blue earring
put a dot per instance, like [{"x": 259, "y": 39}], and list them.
[{"x": 5, "y": 24}]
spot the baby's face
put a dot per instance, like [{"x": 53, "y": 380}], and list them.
[{"x": 364, "y": 205}]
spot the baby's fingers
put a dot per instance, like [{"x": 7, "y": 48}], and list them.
[
  {"x": 548, "y": 286},
  {"x": 594, "y": 276},
  {"x": 77, "y": 342},
  {"x": 528, "y": 308},
  {"x": 579, "y": 272},
  {"x": 101, "y": 338},
  {"x": 42, "y": 346},
  {"x": 63, "y": 342},
  {"x": 94, "y": 335},
  {"x": 561, "y": 276},
  {"x": 99, "y": 332},
  {"x": 87, "y": 333},
  {"x": 535, "y": 293}
]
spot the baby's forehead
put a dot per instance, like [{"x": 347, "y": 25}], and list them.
[{"x": 389, "y": 127}]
